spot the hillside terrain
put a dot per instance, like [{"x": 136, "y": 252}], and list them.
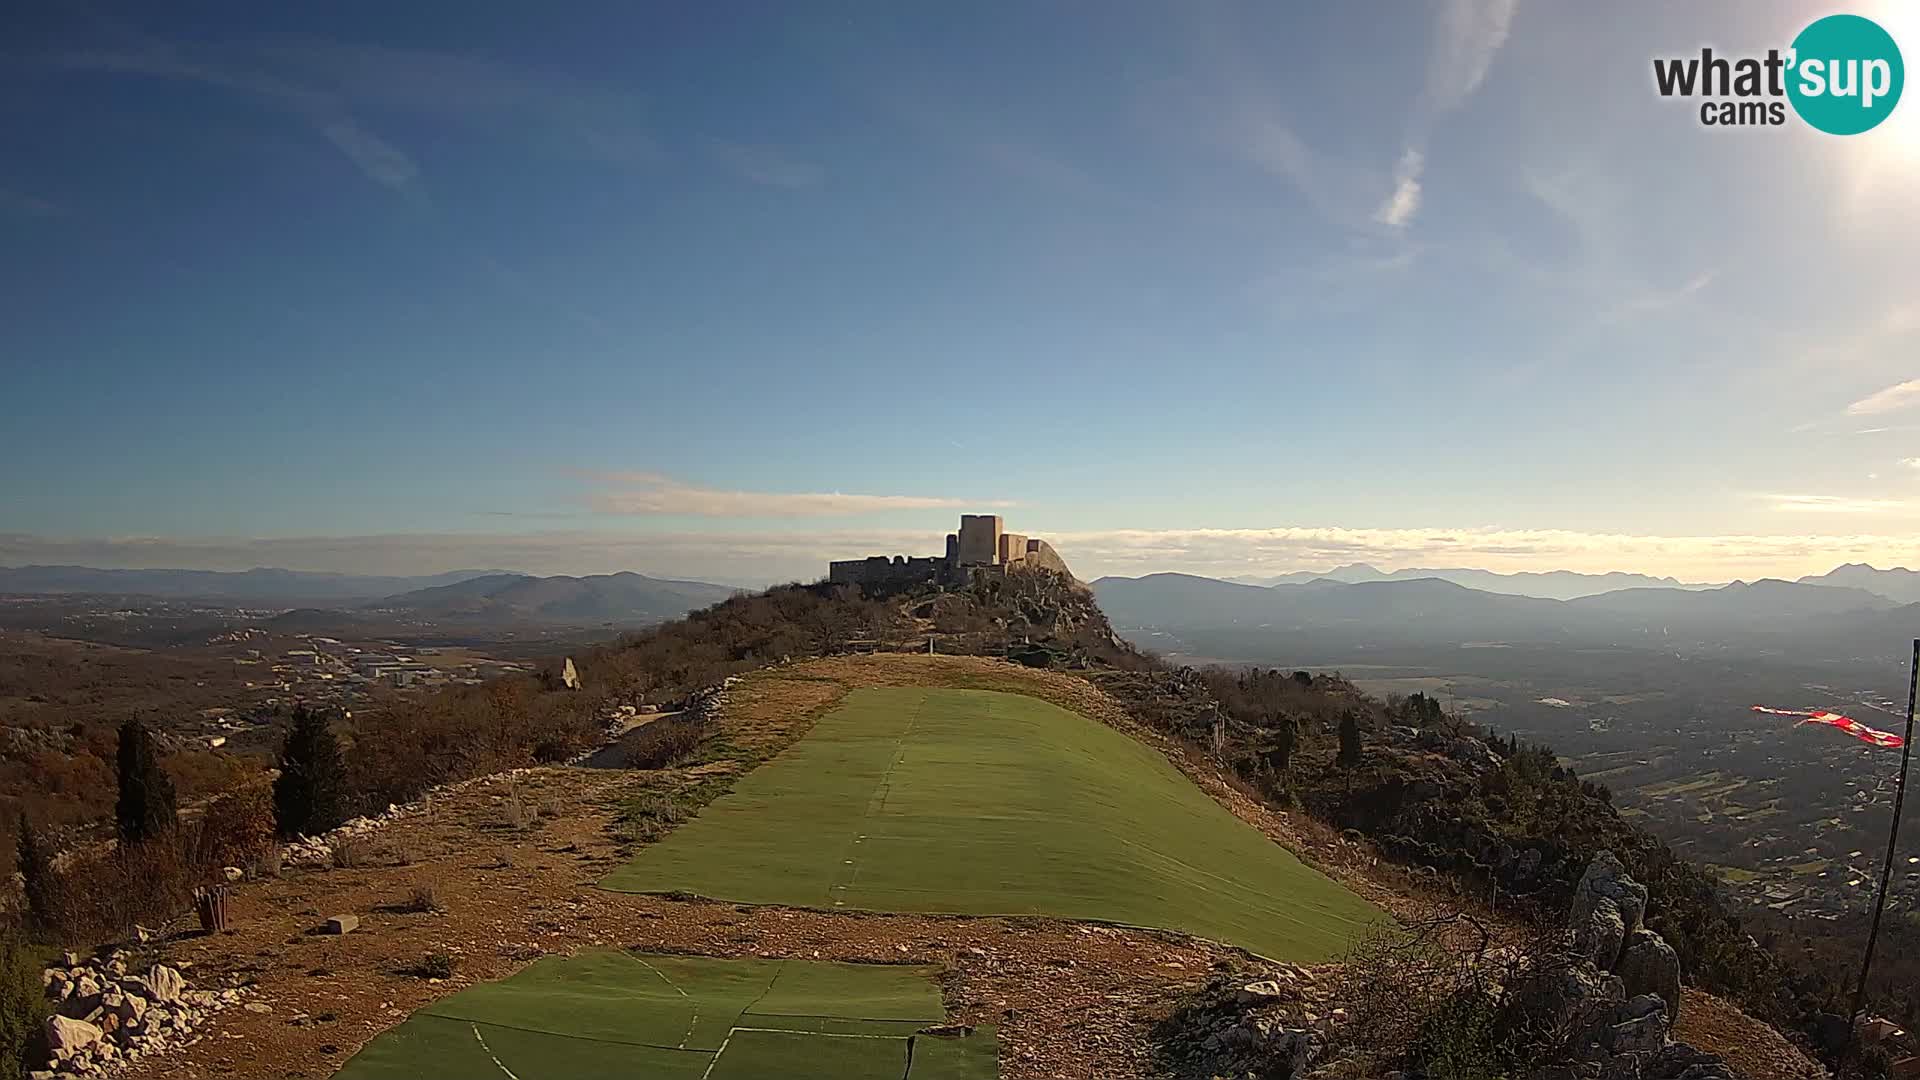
[{"x": 1397, "y": 805}]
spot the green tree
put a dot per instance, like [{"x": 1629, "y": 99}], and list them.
[
  {"x": 146, "y": 807},
  {"x": 1349, "y": 740},
  {"x": 309, "y": 795},
  {"x": 36, "y": 874},
  {"x": 1285, "y": 737},
  {"x": 23, "y": 1007}
]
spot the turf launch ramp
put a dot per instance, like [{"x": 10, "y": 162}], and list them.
[
  {"x": 986, "y": 803},
  {"x": 609, "y": 1014}
]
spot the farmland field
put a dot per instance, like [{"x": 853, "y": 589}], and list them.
[{"x": 985, "y": 803}]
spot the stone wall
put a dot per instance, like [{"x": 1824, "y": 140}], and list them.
[
  {"x": 979, "y": 539},
  {"x": 880, "y": 571},
  {"x": 1013, "y": 548},
  {"x": 1041, "y": 554}
]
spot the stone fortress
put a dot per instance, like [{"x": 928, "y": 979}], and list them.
[{"x": 982, "y": 546}]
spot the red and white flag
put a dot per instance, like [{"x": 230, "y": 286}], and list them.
[{"x": 1847, "y": 724}]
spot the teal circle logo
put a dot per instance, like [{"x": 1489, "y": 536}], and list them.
[{"x": 1844, "y": 74}]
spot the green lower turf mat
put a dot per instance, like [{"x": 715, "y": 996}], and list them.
[{"x": 605, "y": 1014}]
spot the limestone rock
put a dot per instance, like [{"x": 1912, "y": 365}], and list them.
[
  {"x": 1606, "y": 898},
  {"x": 343, "y": 924},
  {"x": 164, "y": 984},
  {"x": 1648, "y": 965},
  {"x": 66, "y": 1035}
]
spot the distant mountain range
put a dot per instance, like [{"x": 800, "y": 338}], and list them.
[
  {"x": 1899, "y": 583},
  {"x": 1550, "y": 585},
  {"x": 1431, "y": 611},
  {"x": 478, "y": 594},
  {"x": 623, "y": 597},
  {"x": 262, "y": 585}
]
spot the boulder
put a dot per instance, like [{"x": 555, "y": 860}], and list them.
[
  {"x": 1643, "y": 1034},
  {"x": 342, "y": 924},
  {"x": 1259, "y": 993},
  {"x": 1678, "y": 1059},
  {"x": 164, "y": 984},
  {"x": 66, "y": 1036},
  {"x": 1648, "y": 965}
]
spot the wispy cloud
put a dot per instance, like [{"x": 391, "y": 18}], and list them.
[
  {"x": 653, "y": 493},
  {"x": 766, "y": 165},
  {"x": 1833, "y": 504},
  {"x": 1894, "y": 398},
  {"x": 381, "y": 161},
  {"x": 21, "y": 204},
  {"x": 1911, "y": 462},
  {"x": 1404, "y": 202},
  {"x": 1468, "y": 35}
]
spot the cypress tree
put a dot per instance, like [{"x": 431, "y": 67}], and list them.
[
  {"x": 146, "y": 806},
  {"x": 1349, "y": 740},
  {"x": 36, "y": 874},
  {"x": 309, "y": 796}
]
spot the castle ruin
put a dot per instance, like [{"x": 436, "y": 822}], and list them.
[{"x": 981, "y": 546}]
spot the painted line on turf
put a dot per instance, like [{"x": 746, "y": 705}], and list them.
[
  {"x": 692, "y": 1024},
  {"x": 482, "y": 1040}
]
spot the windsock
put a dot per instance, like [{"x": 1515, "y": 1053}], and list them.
[{"x": 1847, "y": 724}]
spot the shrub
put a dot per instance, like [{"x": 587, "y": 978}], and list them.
[
  {"x": 649, "y": 817},
  {"x": 309, "y": 796},
  {"x": 662, "y": 743},
  {"x": 146, "y": 806},
  {"x": 423, "y": 900},
  {"x": 435, "y": 965},
  {"x": 22, "y": 1007},
  {"x": 99, "y": 895},
  {"x": 238, "y": 828}
]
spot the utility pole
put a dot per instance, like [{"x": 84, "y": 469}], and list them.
[{"x": 1886, "y": 870}]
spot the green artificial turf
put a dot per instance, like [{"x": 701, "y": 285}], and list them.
[
  {"x": 605, "y": 1015},
  {"x": 977, "y": 802}
]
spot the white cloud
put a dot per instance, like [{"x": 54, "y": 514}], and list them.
[
  {"x": 1470, "y": 33},
  {"x": 652, "y": 493},
  {"x": 1894, "y": 398},
  {"x": 1833, "y": 504},
  {"x": 1404, "y": 201},
  {"x": 766, "y": 165},
  {"x": 1911, "y": 462}
]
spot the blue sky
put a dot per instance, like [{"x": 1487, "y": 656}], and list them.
[{"x": 726, "y": 289}]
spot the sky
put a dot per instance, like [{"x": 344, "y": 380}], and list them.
[{"x": 726, "y": 290}]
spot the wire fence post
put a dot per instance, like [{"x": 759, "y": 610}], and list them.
[{"x": 1854, "y": 1025}]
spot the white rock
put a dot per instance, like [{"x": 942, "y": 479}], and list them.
[
  {"x": 68, "y": 1036},
  {"x": 164, "y": 984}
]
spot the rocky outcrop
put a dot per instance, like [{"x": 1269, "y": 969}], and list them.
[
  {"x": 104, "y": 1015},
  {"x": 1274, "y": 1028},
  {"x": 1617, "y": 991},
  {"x": 1648, "y": 965},
  {"x": 1607, "y": 907}
]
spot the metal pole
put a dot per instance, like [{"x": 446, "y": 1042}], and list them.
[{"x": 1886, "y": 870}]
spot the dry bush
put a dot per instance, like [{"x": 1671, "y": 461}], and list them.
[
  {"x": 238, "y": 828},
  {"x": 662, "y": 743},
  {"x": 423, "y": 900},
  {"x": 97, "y": 896}
]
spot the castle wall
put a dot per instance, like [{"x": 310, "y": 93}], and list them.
[
  {"x": 882, "y": 572},
  {"x": 1041, "y": 554},
  {"x": 1012, "y": 548},
  {"x": 979, "y": 539}
]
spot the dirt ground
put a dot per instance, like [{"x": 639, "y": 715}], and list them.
[{"x": 509, "y": 865}]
